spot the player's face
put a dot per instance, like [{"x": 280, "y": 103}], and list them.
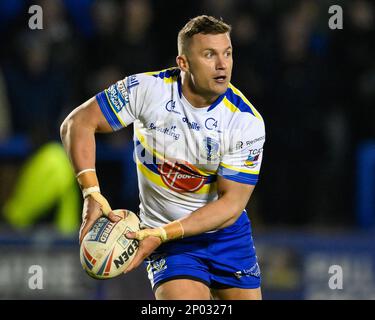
[{"x": 210, "y": 63}]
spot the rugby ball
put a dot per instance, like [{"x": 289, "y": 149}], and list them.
[{"x": 105, "y": 252}]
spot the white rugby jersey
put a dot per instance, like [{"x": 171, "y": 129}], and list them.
[{"x": 180, "y": 149}]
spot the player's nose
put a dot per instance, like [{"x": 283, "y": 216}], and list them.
[{"x": 221, "y": 64}]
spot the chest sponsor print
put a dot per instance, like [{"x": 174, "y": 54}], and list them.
[{"x": 181, "y": 176}]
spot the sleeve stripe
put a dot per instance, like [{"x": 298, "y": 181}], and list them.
[
  {"x": 238, "y": 176},
  {"x": 113, "y": 110},
  {"x": 107, "y": 111},
  {"x": 238, "y": 169}
]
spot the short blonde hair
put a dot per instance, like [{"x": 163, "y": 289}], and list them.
[{"x": 200, "y": 24}]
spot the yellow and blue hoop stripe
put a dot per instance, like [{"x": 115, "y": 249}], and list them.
[
  {"x": 141, "y": 152},
  {"x": 237, "y": 174},
  {"x": 239, "y": 169},
  {"x": 108, "y": 111},
  {"x": 151, "y": 172}
]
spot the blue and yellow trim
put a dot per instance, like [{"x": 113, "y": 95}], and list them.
[
  {"x": 169, "y": 75},
  {"x": 235, "y": 101},
  {"x": 243, "y": 170},
  {"x": 108, "y": 111},
  {"x": 148, "y": 171},
  {"x": 238, "y": 175}
]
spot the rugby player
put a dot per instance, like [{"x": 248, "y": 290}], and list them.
[{"x": 198, "y": 144}]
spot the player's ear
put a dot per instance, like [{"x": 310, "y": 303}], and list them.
[{"x": 182, "y": 62}]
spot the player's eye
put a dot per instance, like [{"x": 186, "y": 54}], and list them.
[
  {"x": 228, "y": 53},
  {"x": 208, "y": 54}
]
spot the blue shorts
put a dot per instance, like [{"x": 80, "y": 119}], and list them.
[{"x": 222, "y": 259}]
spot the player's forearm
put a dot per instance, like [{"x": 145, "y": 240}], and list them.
[
  {"x": 218, "y": 214},
  {"x": 215, "y": 215}
]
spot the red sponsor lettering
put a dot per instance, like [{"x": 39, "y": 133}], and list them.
[{"x": 181, "y": 177}]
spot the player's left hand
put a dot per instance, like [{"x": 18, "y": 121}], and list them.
[{"x": 146, "y": 247}]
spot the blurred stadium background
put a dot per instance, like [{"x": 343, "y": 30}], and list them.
[{"x": 314, "y": 206}]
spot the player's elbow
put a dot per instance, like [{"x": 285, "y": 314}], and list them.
[
  {"x": 64, "y": 129},
  {"x": 235, "y": 209},
  {"x": 71, "y": 121},
  {"x": 236, "y": 212},
  {"x": 66, "y": 126},
  {"x": 232, "y": 215}
]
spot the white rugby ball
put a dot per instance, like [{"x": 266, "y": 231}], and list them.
[{"x": 105, "y": 251}]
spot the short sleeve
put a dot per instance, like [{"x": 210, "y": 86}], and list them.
[
  {"x": 242, "y": 160},
  {"x": 122, "y": 102}
]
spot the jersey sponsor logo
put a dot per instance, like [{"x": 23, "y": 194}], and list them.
[
  {"x": 171, "y": 106},
  {"x": 239, "y": 145},
  {"x": 123, "y": 91},
  {"x": 251, "y": 161},
  {"x": 191, "y": 125},
  {"x": 212, "y": 148},
  {"x": 118, "y": 96},
  {"x": 131, "y": 82},
  {"x": 171, "y": 131},
  {"x": 181, "y": 176},
  {"x": 253, "y": 157},
  {"x": 255, "y": 152},
  {"x": 210, "y": 123},
  {"x": 250, "y": 142}
]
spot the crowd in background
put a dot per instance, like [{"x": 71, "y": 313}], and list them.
[{"x": 315, "y": 87}]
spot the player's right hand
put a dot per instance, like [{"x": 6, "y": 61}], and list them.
[
  {"x": 91, "y": 212},
  {"x": 146, "y": 247}
]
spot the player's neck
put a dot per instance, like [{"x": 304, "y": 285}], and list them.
[{"x": 195, "y": 98}]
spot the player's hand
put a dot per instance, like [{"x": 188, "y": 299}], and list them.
[
  {"x": 91, "y": 212},
  {"x": 146, "y": 247}
]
